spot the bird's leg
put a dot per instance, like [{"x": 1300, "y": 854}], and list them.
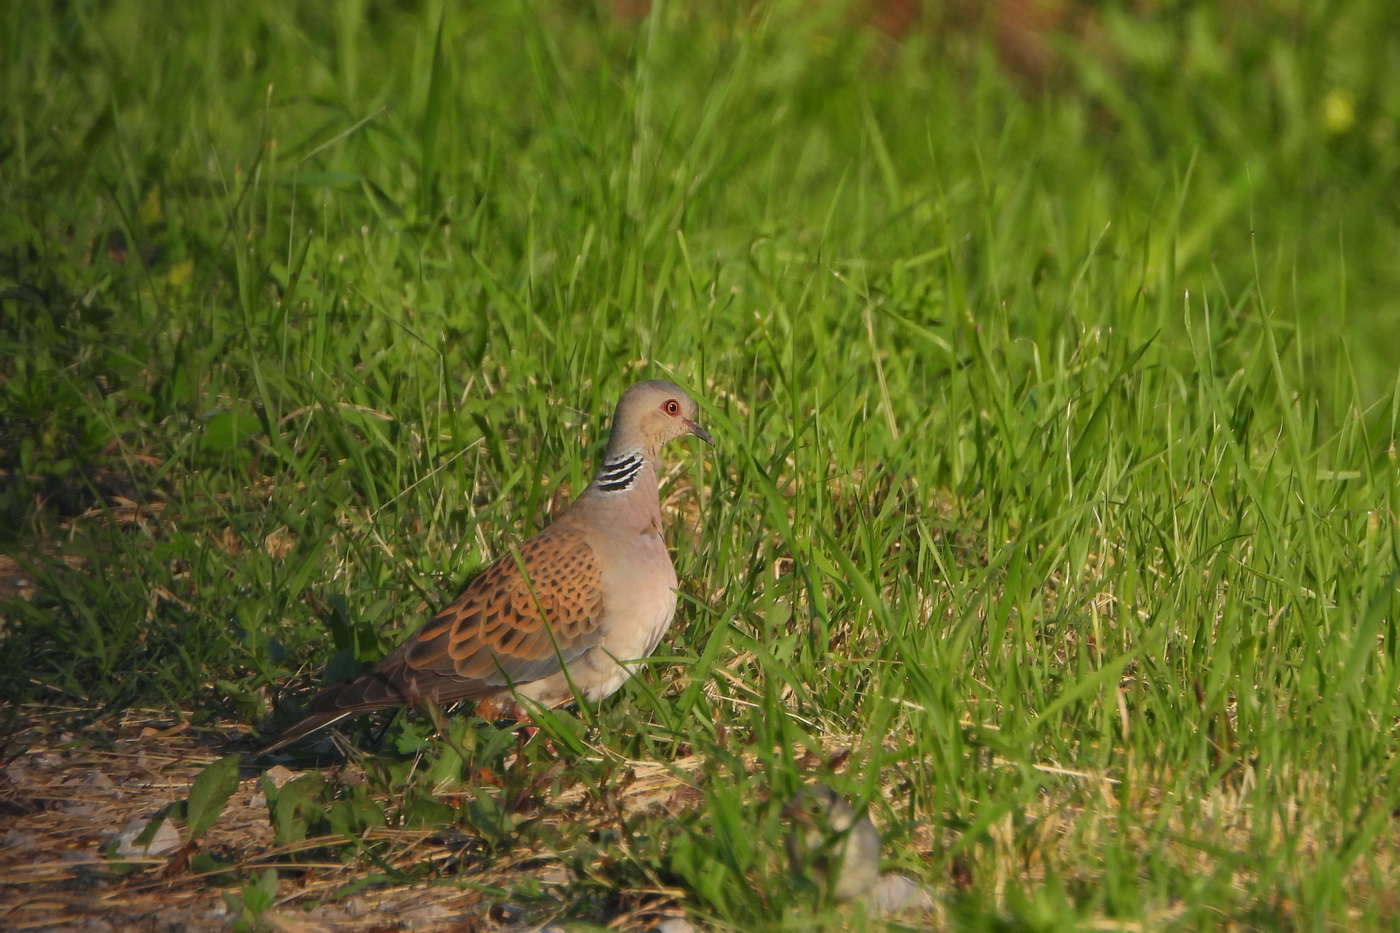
[
  {"x": 493, "y": 711},
  {"x": 529, "y": 730}
]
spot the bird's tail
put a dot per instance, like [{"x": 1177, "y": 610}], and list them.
[
  {"x": 374, "y": 689},
  {"x": 304, "y": 728}
]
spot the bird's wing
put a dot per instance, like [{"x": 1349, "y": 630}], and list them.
[{"x": 506, "y": 628}]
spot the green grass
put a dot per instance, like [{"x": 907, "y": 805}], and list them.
[{"x": 1056, "y": 472}]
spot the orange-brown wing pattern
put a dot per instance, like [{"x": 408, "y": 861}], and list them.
[
  {"x": 511, "y": 628},
  {"x": 506, "y": 628}
]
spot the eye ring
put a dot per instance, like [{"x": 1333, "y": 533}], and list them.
[{"x": 671, "y": 407}]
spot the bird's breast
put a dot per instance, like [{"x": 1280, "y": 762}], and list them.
[{"x": 640, "y": 598}]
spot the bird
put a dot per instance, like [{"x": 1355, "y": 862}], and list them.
[
  {"x": 563, "y": 614},
  {"x": 827, "y": 838}
]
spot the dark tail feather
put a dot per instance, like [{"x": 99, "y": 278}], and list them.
[
  {"x": 375, "y": 689},
  {"x": 304, "y": 728}
]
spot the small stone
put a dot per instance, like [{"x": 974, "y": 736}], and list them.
[
  {"x": 674, "y": 925},
  {"x": 826, "y": 837},
  {"x": 167, "y": 839},
  {"x": 279, "y": 775},
  {"x": 896, "y": 892}
]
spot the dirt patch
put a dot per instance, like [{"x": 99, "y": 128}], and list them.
[{"x": 71, "y": 797}]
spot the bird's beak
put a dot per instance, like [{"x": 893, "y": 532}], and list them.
[{"x": 700, "y": 432}]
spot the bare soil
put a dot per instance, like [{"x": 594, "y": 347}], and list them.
[{"x": 66, "y": 797}]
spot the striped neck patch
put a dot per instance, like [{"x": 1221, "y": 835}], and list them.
[{"x": 619, "y": 474}]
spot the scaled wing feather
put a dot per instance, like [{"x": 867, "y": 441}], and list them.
[{"x": 506, "y": 628}]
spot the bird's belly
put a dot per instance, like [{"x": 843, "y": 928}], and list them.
[{"x": 643, "y": 605}]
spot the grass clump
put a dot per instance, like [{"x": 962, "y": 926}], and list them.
[{"x": 1053, "y": 511}]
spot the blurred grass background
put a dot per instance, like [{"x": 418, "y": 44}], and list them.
[{"x": 1052, "y": 363}]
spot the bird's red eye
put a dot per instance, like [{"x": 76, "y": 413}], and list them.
[{"x": 672, "y": 407}]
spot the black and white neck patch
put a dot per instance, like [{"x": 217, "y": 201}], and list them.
[{"x": 619, "y": 474}]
